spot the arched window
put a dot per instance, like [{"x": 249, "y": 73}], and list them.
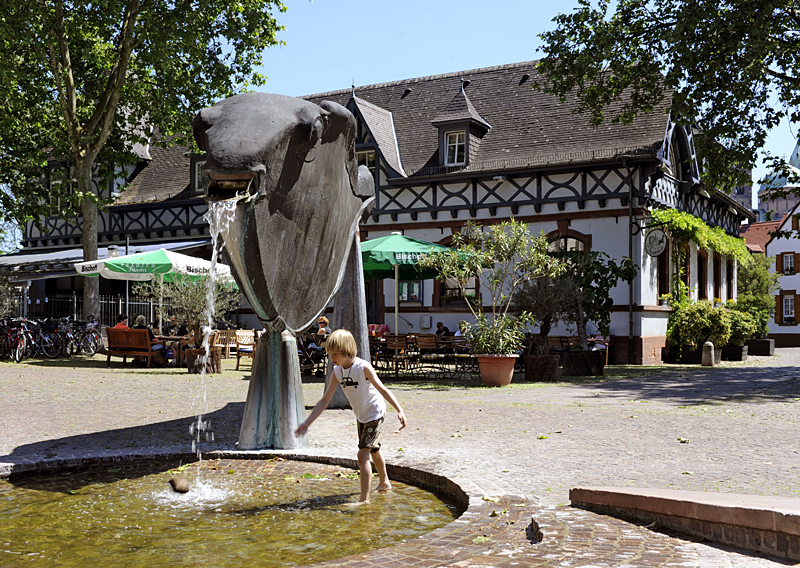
[
  {"x": 565, "y": 243},
  {"x": 565, "y": 238}
]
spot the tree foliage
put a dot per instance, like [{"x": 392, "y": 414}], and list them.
[
  {"x": 756, "y": 284},
  {"x": 503, "y": 257},
  {"x": 730, "y": 67},
  {"x": 187, "y": 298},
  {"x": 82, "y": 83}
]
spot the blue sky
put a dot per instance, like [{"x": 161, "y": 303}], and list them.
[{"x": 331, "y": 44}]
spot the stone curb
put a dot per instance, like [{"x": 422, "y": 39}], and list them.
[{"x": 770, "y": 525}]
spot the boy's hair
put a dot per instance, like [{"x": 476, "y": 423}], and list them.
[
  {"x": 121, "y": 318},
  {"x": 140, "y": 319},
  {"x": 342, "y": 341}
]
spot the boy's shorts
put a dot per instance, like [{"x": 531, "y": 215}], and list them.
[{"x": 369, "y": 434}]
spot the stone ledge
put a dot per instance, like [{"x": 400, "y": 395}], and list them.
[{"x": 769, "y": 525}]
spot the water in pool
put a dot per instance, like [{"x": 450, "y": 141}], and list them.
[{"x": 238, "y": 513}]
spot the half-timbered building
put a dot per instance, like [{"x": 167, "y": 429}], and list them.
[{"x": 480, "y": 145}]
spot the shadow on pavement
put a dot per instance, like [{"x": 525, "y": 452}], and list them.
[{"x": 699, "y": 385}]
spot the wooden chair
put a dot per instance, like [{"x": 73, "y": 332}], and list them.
[
  {"x": 397, "y": 352},
  {"x": 430, "y": 351},
  {"x": 226, "y": 338},
  {"x": 245, "y": 345},
  {"x": 457, "y": 348}
]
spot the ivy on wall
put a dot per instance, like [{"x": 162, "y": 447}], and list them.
[{"x": 684, "y": 227}]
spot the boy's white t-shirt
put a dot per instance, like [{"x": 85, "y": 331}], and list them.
[{"x": 367, "y": 402}]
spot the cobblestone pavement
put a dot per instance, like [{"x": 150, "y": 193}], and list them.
[{"x": 733, "y": 428}]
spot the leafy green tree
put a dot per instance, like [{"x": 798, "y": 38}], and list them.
[
  {"x": 594, "y": 274},
  {"x": 81, "y": 83},
  {"x": 731, "y": 67},
  {"x": 756, "y": 285},
  {"x": 186, "y": 297},
  {"x": 503, "y": 257}
]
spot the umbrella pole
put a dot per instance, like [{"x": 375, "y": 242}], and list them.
[{"x": 396, "y": 300}]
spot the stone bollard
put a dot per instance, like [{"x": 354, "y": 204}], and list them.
[{"x": 708, "y": 354}]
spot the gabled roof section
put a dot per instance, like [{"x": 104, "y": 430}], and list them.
[
  {"x": 460, "y": 109},
  {"x": 380, "y": 124},
  {"x": 166, "y": 175},
  {"x": 757, "y": 235},
  {"x": 530, "y": 129}
]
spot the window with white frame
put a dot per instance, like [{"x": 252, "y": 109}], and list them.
[
  {"x": 456, "y": 148},
  {"x": 788, "y": 263},
  {"x": 788, "y": 308},
  {"x": 367, "y": 159}
]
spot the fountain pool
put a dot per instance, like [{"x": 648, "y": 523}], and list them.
[{"x": 263, "y": 513}]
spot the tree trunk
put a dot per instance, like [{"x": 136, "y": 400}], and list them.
[
  {"x": 582, "y": 327},
  {"x": 91, "y": 286}
]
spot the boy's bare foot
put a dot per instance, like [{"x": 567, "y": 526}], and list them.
[
  {"x": 356, "y": 504},
  {"x": 382, "y": 487}
]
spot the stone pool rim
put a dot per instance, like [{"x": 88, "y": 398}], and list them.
[{"x": 477, "y": 516}]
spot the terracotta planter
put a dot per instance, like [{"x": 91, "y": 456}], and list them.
[
  {"x": 541, "y": 368},
  {"x": 496, "y": 370},
  {"x": 584, "y": 363}
]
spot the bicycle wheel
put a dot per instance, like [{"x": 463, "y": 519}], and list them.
[
  {"x": 30, "y": 345},
  {"x": 67, "y": 344},
  {"x": 87, "y": 344},
  {"x": 51, "y": 345},
  {"x": 18, "y": 348}
]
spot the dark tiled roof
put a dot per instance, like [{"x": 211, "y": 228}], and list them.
[
  {"x": 529, "y": 128},
  {"x": 381, "y": 124},
  {"x": 460, "y": 109},
  {"x": 164, "y": 177}
]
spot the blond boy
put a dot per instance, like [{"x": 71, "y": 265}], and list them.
[{"x": 367, "y": 396}]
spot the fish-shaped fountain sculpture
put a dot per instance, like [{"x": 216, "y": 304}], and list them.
[{"x": 299, "y": 194}]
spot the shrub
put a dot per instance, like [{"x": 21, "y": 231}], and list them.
[
  {"x": 743, "y": 327},
  {"x": 694, "y": 324}
]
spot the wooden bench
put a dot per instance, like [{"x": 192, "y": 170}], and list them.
[{"x": 129, "y": 343}]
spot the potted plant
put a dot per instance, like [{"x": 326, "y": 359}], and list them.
[
  {"x": 692, "y": 324},
  {"x": 743, "y": 327},
  {"x": 594, "y": 275},
  {"x": 502, "y": 257},
  {"x": 547, "y": 300}
]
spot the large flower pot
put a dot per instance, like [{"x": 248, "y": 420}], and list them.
[
  {"x": 541, "y": 368},
  {"x": 734, "y": 353},
  {"x": 496, "y": 370},
  {"x": 584, "y": 363},
  {"x": 761, "y": 346}
]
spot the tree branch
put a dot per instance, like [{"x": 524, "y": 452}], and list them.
[{"x": 107, "y": 105}]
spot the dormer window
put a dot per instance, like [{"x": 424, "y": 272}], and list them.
[{"x": 456, "y": 148}]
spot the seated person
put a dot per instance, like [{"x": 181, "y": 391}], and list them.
[
  {"x": 122, "y": 322},
  {"x": 324, "y": 327},
  {"x": 462, "y": 325},
  {"x": 441, "y": 329},
  {"x": 140, "y": 324},
  {"x": 174, "y": 328}
]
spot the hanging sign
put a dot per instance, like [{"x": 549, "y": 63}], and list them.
[{"x": 655, "y": 242}]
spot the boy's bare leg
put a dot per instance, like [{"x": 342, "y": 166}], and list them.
[
  {"x": 383, "y": 478},
  {"x": 365, "y": 470}
]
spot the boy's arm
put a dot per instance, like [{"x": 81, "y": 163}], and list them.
[
  {"x": 385, "y": 393},
  {"x": 319, "y": 407}
]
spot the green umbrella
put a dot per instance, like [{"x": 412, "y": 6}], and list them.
[
  {"x": 146, "y": 265},
  {"x": 396, "y": 256}
]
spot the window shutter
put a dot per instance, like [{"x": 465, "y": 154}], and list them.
[
  {"x": 797, "y": 262},
  {"x": 796, "y": 308},
  {"x": 778, "y": 310},
  {"x": 794, "y": 222},
  {"x": 779, "y": 263}
]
